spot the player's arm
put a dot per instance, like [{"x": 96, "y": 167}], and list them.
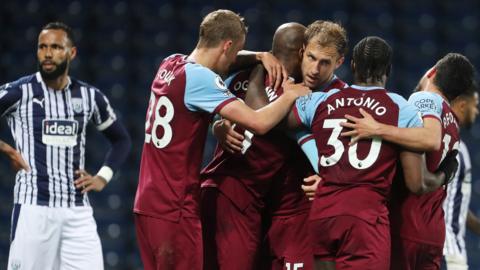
[
  {"x": 276, "y": 71},
  {"x": 421, "y": 181},
  {"x": 120, "y": 145},
  {"x": 426, "y": 138},
  {"x": 417, "y": 178},
  {"x": 9, "y": 99},
  {"x": 229, "y": 139},
  {"x": 14, "y": 156},
  {"x": 255, "y": 97},
  {"x": 264, "y": 119},
  {"x": 473, "y": 222}
]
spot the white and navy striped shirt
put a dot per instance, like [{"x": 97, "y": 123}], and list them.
[
  {"x": 49, "y": 129},
  {"x": 456, "y": 206}
]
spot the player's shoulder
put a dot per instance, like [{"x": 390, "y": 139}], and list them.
[
  {"x": 425, "y": 96},
  {"x": 197, "y": 74},
  {"x": 428, "y": 102},
  {"x": 20, "y": 81},
  {"x": 338, "y": 84},
  {"x": 315, "y": 98},
  {"x": 76, "y": 83},
  {"x": 329, "y": 93},
  {"x": 397, "y": 98}
]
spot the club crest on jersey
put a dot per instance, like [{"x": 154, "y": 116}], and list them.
[
  {"x": 222, "y": 87},
  {"x": 77, "y": 104},
  {"x": 16, "y": 265},
  {"x": 59, "y": 132}
]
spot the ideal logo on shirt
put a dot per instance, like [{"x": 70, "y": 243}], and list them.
[{"x": 59, "y": 132}]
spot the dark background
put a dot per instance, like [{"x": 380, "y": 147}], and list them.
[{"x": 121, "y": 43}]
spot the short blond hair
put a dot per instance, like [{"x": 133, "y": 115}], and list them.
[
  {"x": 327, "y": 33},
  {"x": 221, "y": 25}
]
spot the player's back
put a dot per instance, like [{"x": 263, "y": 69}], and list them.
[
  {"x": 263, "y": 156},
  {"x": 420, "y": 217},
  {"x": 357, "y": 178},
  {"x": 184, "y": 95},
  {"x": 286, "y": 197}
]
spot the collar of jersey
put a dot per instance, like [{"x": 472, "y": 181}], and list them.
[
  {"x": 40, "y": 80},
  {"x": 367, "y": 88}
]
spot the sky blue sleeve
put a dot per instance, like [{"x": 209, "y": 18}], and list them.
[
  {"x": 409, "y": 116},
  {"x": 306, "y": 141},
  {"x": 427, "y": 103},
  {"x": 10, "y": 95},
  {"x": 306, "y": 106},
  {"x": 205, "y": 90}
]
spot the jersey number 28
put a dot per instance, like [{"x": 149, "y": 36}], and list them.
[{"x": 159, "y": 120}]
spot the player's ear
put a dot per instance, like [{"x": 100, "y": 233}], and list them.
[
  {"x": 431, "y": 73},
  {"x": 339, "y": 62},
  {"x": 301, "y": 51},
  {"x": 73, "y": 53},
  {"x": 227, "y": 45}
]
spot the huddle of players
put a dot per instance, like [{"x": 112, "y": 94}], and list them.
[{"x": 255, "y": 214}]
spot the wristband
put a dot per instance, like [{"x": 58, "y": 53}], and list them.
[{"x": 106, "y": 173}]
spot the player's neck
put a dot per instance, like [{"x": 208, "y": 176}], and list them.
[
  {"x": 207, "y": 57},
  {"x": 431, "y": 87},
  {"x": 59, "y": 83},
  {"x": 370, "y": 82}
]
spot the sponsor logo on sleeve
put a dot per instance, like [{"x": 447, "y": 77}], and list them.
[
  {"x": 59, "y": 132},
  {"x": 426, "y": 105}
]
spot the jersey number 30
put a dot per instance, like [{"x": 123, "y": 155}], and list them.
[
  {"x": 333, "y": 140},
  {"x": 159, "y": 120}
]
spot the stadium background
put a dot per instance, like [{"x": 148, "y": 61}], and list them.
[{"x": 121, "y": 43}]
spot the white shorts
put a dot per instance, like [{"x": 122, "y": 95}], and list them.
[
  {"x": 44, "y": 237},
  {"x": 455, "y": 262}
]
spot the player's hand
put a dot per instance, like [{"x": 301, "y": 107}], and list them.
[
  {"x": 16, "y": 160},
  {"x": 362, "y": 128},
  {"x": 87, "y": 182},
  {"x": 298, "y": 89},
  {"x": 227, "y": 137},
  {"x": 277, "y": 73},
  {"x": 310, "y": 186},
  {"x": 449, "y": 166}
]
